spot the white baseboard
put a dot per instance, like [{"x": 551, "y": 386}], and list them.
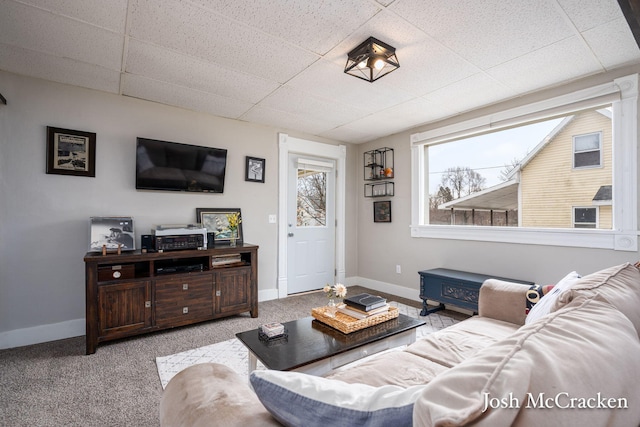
[
  {"x": 267, "y": 295},
  {"x": 42, "y": 333},
  {"x": 389, "y": 288}
]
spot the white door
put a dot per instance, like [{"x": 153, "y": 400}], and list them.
[{"x": 311, "y": 223}]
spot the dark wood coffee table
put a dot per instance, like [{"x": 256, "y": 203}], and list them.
[{"x": 315, "y": 348}]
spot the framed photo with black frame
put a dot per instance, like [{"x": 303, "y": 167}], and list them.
[
  {"x": 382, "y": 211},
  {"x": 71, "y": 152},
  {"x": 255, "y": 168},
  {"x": 216, "y": 221}
]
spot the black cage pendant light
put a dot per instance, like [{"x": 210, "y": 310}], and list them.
[{"x": 371, "y": 60}]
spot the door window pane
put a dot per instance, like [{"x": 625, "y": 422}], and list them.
[{"x": 311, "y": 198}]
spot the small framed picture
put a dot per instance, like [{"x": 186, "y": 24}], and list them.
[
  {"x": 217, "y": 221},
  {"x": 382, "y": 211},
  {"x": 112, "y": 232},
  {"x": 255, "y": 169},
  {"x": 71, "y": 152}
]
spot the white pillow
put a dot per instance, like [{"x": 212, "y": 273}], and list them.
[
  {"x": 297, "y": 399},
  {"x": 543, "y": 307}
]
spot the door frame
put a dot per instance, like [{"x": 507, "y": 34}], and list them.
[{"x": 286, "y": 145}]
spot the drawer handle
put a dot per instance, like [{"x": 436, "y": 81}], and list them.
[
  {"x": 185, "y": 310},
  {"x": 185, "y": 286}
]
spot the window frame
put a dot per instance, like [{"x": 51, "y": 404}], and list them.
[
  {"x": 599, "y": 150},
  {"x": 595, "y": 224},
  {"x": 622, "y": 94}
]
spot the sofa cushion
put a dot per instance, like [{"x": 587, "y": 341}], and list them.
[
  {"x": 587, "y": 352},
  {"x": 548, "y": 301},
  {"x": 456, "y": 343},
  {"x": 209, "y": 394},
  {"x": 620, "y": 285},
  {"x": 408, "y": 370},
  {"x": 297, "y": 399}
]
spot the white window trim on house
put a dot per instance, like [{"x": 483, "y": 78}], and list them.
[
  {"x": 599, "y": 150},
  {"x": 622, "y": 94},
  {"x": 596, "y": 223}
]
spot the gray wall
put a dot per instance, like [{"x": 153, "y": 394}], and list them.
[
  {"x": 382, "y": 246},
  {"x": 44, "y": 219}
]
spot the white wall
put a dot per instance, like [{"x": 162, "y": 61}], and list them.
[
  {"x": 382, "y": 246},
  {"x": 44, "y": 228}
]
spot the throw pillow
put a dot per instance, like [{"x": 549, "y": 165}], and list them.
[
  {"x": 297, "y": 399},
  {"x": 535, "y": 293},
  {"x": 547, "y": 301}
]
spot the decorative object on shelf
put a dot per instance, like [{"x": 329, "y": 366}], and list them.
[
  {"x": 216, "y": 221},
  {"x": 338, "y": 291},
  {"x": 255, "y": 169},
  {"x": 378, "y": 164},
  {"x": 379, "y": 189},
  {"x": 371, "y": 60},
  {"x": 71, "y": 152},
  {"x": 109, "y": 234},
  {"x": 382, "y": 211},
  {"x": 234, "y": 221}
]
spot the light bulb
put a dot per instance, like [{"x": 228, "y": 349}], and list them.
[
  {"x": 379, "y": 64},
  {"x": 362, "y": 64}
]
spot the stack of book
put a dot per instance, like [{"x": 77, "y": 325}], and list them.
[
  {"x": 226, "y": 260},
  {"x": 362, "y": 306}
]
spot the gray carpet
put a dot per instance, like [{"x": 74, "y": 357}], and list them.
[{"x": 56, "y": 384}]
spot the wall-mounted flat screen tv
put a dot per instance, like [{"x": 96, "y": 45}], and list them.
[{"x": 164, "y": 165}]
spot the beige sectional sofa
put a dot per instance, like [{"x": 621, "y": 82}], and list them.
[{"x": 577, "y": 365}]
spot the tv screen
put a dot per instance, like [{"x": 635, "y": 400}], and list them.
[{"x": 164, "y": 165}]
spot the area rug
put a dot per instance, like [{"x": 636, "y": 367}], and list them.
[{"x": 235, "y": 355}]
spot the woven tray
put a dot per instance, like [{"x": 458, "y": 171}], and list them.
[{"x": 347, "y": 324}]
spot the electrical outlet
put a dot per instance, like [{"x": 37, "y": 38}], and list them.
[
  {"x": 272, "y": 219},
  {"x": 398, "y": 269}
]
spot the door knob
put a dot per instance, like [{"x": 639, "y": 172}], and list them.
[{"x": 290, "y": 234}]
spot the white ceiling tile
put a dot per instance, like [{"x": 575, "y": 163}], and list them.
[
  {"x": 348, "y": 135},
  {"x": 316, "y": 26},
  {"x": 283, "y": 119},
  {"x": 204, "y": 34},
  {"x": 61, "y": 70},
  {"x": 327, "y": 80},
  {"x": 472, "y": 92},
  {"x": 613, "y": 44},
  {"x": 301, "y": 103},
  {"x": 589, "y": 14},
  {"x": 109, "y": 14},
  {"x": 175, "y": 68},
  {"x": 59, "y": 36},
  {"x": 153, "y": 90},
  {"x": 562, "y": 61},
  {"x": 487, "y": 32}
]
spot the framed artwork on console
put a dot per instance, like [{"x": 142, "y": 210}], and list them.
[
  {"x": 382, "y": 211},
  {"x": 111, "y": 232},
  {"x": 216, "y": 221},
  {"x": 254, "y": 170},
  {"x": 71, "y": 152}
]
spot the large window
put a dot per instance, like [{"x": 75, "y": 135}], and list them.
[{"x": 547, "y": 173}]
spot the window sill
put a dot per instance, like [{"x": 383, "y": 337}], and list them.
[{"x": 600, "y": 239}]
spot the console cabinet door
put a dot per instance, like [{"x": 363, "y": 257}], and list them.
[
  {"x": 233, "y": 290},
  {"x": 124, "y": 308}
]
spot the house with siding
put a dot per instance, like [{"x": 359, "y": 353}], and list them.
[{"x": 564, "y": 182}]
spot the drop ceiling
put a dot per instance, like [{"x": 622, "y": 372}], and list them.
[{"x": 280, "y": 63}]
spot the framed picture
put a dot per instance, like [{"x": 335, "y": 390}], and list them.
[
  {"x": 254, "y": 170},
  {"x": 382, "y": 211},
  {"x": 111, "y": 232},
  {"x": 71, "y": 152},
  {"x": 216, "y": 221}
]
